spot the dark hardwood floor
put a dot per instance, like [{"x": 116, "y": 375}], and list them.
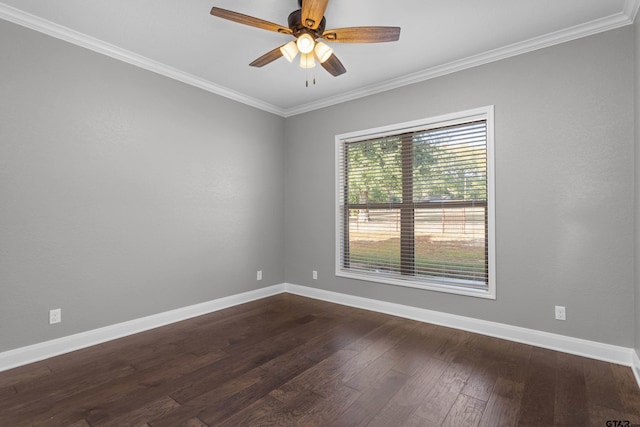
[{"x": 288, "y": 360}]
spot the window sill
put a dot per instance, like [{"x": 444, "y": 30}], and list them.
[{"x": 485, "y": 292}]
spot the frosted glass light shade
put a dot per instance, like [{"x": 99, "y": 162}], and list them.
[
  {"x": 305, "y": 43},
  {"x": 307, "y": 60},
  {"x": 323, "y": 52},
  {"x": 289, "y": 50}
]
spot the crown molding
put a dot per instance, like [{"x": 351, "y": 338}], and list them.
[
  {"x": 626, "y": 17},
  {"x": 49, "y": 28},
  {"x": 623, "y": 18},
  {"x": 631, "y": 9}
]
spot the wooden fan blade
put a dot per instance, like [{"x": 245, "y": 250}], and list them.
[
  {"x": 249, "y": 20},
  {"x": 312, "y": 12},
  {"x": 334, "y": 66},
  {"x": 267, "y": 58},
  {"x": 362, "y": 35}
]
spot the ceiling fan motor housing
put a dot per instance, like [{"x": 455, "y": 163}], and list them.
[{"x": 295, "y": 24}]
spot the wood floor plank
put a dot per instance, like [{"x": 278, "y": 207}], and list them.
[
  {"x": 24, "y": 375},
  {"x": 373, "y": 372},
  {"x": 369, "y": 403},
  {"x": 59, "y": 396},
  {"x": 370, "y": 348},
  {"x": 428, "y": 340},
  {"x": 326, "y": 411},
  {"x": 289, "y": 365},
  {"x": 7, "y": 393},
  {"x": 320, "y": 378},
  {"x": 290, "y": 360},
  {"x": 140, "y": 415},
  {"x": 80, "y": 423},
  {"x": 452, "y": 343},
  {"x": 263, "y": 412},
  {"x": 408, "y": 398},
  {"x": 601, "y": 386},
  {"x": 540, "y": 389},
  {"x": 599, "y": 415},
  {"x": 238, "y": 402},
  {"x": 384, "y": 336},
  {"x": 278, "y": 373},
  {"x": 269, "y": 411},
  {"x": 392, "y": 414},
  {"x": 570, "y": 404},
  {"x": 211, "y": 400},
  {"x": 627, "y": 389},
  {"x": 144, "y": 387},
  {"x": 503, "y": 406},
  {"x": 82, "y": 383},
  {"x": 481, "y": 381},
  {"x": 122, "y": 393},
  {"x": 232, "y": 396},
  {"x": 439, "y": 399},
  {"x": 194, "y": 422},
  {"x": 415, "y": 421},
  {"x": 230, "y": 367},
  {"x": 510, "y": 360},
  {"x": 466, "y": 411}
]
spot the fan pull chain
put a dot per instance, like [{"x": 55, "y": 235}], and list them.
[
  {"x": 306, "y": 71},
  {"x": 307, "y": 78}
]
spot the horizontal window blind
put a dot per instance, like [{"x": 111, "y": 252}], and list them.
[{"x": 413, "y": 206}]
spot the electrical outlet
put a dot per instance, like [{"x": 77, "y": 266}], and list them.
[
  {"x": 259, "y": 275},
  {"x": 561, "y": 312},
  {"x": 315, "y": 275},
  {"x": 55, "y": 316}
]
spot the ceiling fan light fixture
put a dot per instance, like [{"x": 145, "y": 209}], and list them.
[
  {"x": 307, "y": 25},
  {"x": 305, "y": 43},
  {"x": 323, "y": 52},
  {"x": 307, "y": 60},
  {"x": 289, "y": 51}
]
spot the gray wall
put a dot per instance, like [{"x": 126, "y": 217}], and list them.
[
  {"x": 564, "y": 166},
  {"x": 124, "y": 193},
  {"x": 637, "y": 181}
]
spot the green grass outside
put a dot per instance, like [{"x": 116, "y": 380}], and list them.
[{"x": 451, "y": 258}]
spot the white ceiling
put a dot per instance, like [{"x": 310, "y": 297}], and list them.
[{"x": 182, "y": 40}]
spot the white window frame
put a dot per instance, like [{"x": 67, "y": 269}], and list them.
[{"x": 457, "y": 287}]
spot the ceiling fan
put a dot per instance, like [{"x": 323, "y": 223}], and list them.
[{"x": 307, "y": 25}]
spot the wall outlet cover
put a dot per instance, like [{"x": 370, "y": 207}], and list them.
[{"x": 55, "y": 316}]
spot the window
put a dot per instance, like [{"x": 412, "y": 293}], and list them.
[{"x": 414, "y": 204}]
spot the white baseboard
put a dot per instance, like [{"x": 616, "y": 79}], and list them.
[
  {"x": 580, "y": 347},
  {"x": 595, "y": 350},
  {"x": 636, "y": 366},
  {"x": 34, "y": 353}
]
